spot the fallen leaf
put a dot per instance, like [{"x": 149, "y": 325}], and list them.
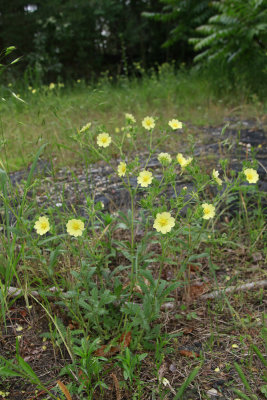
[
  {"x": 23, "y": 313},
  {"x": 103, "y": 352},
  {"x": 193, "y": 267},
  {"x": 125, "y": 339},
  {"x": 188, "y": 353},
  {"x": 188, "y": 330},
  {"x": 195, "y": 291}
]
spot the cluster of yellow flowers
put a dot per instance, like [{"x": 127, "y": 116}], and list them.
[
  {"x": 164, "y": 222},
  {"x": 75, "y": 227}
]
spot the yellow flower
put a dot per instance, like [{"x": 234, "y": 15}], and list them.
[
  {"x": 75, "y": 227},
  {"x": 251, "y": 175},
  {"x": 175, "y": 124},
  {"x": 208, "y": 211},
  {"x": 128, "y": 135},
  {"x": 78, "y": 80},
  {"x": 85, "y": 127},
  {"x": 183, "y": 161},
  {"x": 164, "y": 158},
  {"x": 144, "y": 178},
  {"x": 42, "y": 225},
  {"x": 164, "y": 222},
  {"x": 103, "y": 140},
  {"x": 117, "y": 130},
  {"x": 215, "y": 176},
  {"x": 148, "y": 123},
  {"x": 33, "y": 91},
  {"x": 122, "y": 168},
  {"x": 130, "y": 118},
  {"x": 29, "y": 88},
  {"x": 52, "y": 86}
]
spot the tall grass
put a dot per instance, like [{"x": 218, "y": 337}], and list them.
[{"x": 52, "y": 115}]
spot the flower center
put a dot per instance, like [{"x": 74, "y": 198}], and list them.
[
  {"x": 163, "y": 221},
  {"x": 43, "y": 225},
  {"x": 76, "y": 226}
]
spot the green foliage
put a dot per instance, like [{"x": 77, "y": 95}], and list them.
[
  {"x": 110, "y": 282},
  {"x": 235, "y": 36},
  {"x": 181, "y": 18},
  {"x": 81, "y": 38}
]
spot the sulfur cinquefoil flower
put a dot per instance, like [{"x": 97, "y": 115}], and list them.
[
  {"x": 175, "y": 124},
  {"x": 215, "y": 176},
  {"x": 164, "y": 158},
  {"x": 130, "y": 118},
  {"x": 75, "y": 227},
  {"x": 52, "y": 86},
  {"x": 208, "y": 211},
  {"x": 183, "y": 161},
  {"x": 144, "y": 178},
  {"x": 252, "y": 175},
  {"x": 122, "y": 168},
  {"x": 148, "y": 123},
  {"x": 164, "y": 222},
  {"x": 103, "y": 140},
  {"x": 85, "y": 127},
  {"x": 42, "y": 225}
]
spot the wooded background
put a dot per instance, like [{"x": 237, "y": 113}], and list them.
[{"x": 82, "y": 38}]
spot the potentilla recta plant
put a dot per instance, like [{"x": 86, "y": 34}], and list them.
[{"x": 180, "y": 220}]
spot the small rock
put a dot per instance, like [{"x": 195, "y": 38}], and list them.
[{"x": 213, "y": 392}]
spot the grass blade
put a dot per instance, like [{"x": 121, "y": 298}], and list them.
[{"x": 187, "y": 382}]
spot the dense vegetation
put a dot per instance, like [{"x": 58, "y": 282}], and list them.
[
  {"x": 65, "y": 39},
  {"x": 133, "y": 200}
]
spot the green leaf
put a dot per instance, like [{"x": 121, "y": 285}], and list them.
[
  {"x": 28, "y": 370},
  {"x": 187, "y": 382},
  {"x": 9, "y": 50},
  {"x": 6, "y": 372}
]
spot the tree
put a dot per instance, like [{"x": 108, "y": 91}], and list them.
[
  {"x": 236, "y": 35},
  {"x": 181, "y": 18}
]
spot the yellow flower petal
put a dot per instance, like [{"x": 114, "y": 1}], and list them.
[
  {"x": 75, "y": 227},
  {"x": 164, "y": 222},
  {"x": 208, "y": 211},
  {"x": 148, "y": 123},
  {"x": 251, "y": 175},
  {"x": 42, "y": 225},
  {"x": 144, "y": 178},
  {"x": 103, "y": 140},
  {"x": 175, "y": 124},
  {"x": 122, "y": 168}
]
